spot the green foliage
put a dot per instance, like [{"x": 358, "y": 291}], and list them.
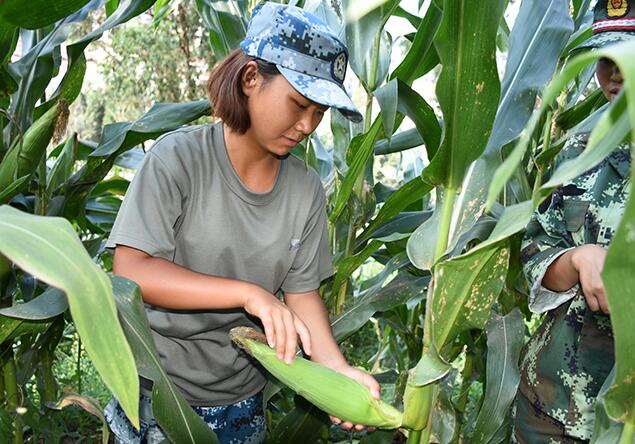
[{"x": 496, "y": 136}]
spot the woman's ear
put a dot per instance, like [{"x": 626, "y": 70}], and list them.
[{"x": 250, "y": 78}]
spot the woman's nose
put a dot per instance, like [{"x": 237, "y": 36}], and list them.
[{"x": 305, "y": 124}]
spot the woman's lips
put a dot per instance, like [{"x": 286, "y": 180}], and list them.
[{"x": 290, "y": 141}]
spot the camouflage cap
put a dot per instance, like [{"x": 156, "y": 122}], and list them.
[
  {"x": 306, "y": 51},
  {"x": 613, "y": 22}
]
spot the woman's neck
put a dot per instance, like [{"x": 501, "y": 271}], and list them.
[{"x": 256, "y": 167}]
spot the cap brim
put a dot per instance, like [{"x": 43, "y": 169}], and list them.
[
  {"x": 602, "y": 39},
  {"x": 323, "y": 92}
]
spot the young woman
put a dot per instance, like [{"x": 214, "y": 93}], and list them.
[
  {"x": 568, "y": 359},
  {"x": 219, "y": 218}
]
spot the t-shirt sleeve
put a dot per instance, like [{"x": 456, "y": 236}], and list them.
[
  {"x": 150, "y": 210},
  {"x": 313, "y": 262}
]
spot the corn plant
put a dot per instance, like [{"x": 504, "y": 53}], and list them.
[{"x": 448, "y": 304}]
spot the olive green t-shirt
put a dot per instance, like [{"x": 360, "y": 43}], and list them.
[{"x": 186, "y": 204}]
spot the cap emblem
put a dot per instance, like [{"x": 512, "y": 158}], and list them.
[
  {"x": 616, "y": 8},
  {"x": 339, "y": 67}
]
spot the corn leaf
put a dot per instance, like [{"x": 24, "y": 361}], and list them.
[
  {"x": 619, "y": 282},
  {"x": 39, "y": 14},
  {"x": 540, "y": 33},
  {"x": 468, "y": 87},
  {"x": 363, "y": 146},
  {"x": 46, "y": 306},
  {"x": 505, "y": 337},
  {"x": 175, "y": 416},
  {"x": 49, "y": 249},
  {"x": 621, "y": 54}
]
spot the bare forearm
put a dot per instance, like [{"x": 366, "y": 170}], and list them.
[
  {"x": 168, "y": 285},
  {"x": 561, "y": 274},
  {"x": 311, "y": 310}
]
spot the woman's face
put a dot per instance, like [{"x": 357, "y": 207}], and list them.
[
  {"x": 609, "y": 77},
  {"x": 280, "y": 116}
]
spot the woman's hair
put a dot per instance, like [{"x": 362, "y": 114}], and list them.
[{"x": 225, "y": 91}]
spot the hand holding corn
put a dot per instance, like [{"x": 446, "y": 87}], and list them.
[
  {"x": 282, "y": 326},
  {"x": 337, "y": 394},
  {"x": 367, "y": 380}
]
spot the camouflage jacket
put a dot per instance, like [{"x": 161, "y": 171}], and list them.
[{"x": 568, "y": 358}]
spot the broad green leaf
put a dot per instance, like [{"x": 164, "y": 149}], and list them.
[
  {"x": 465, "y": 288},
  {"x": 8, "y": 39},
  {"x": 26, "y": 153},
  {"x": 605, "y": 430},
  {"x": 13, "y": 188},
  {"x": 35, "y": 69},
  {"x": 621, "y": 54},
  {"x": 357, "y": 9},
  {"x": 422, "y": 244},
  {"x": 612, "y": 130},
  {"x": 468, "y": 87},
  {"x": 304, "y": 423},
  {"x": 581, "y": 110},
  {"x": 401, "y": 141},
  {"x": 388, "y": 96},
  {"x": 412, "y": 67},
  {"x": 226, "y": 22},
  {"x": 161, "y": 9},
  {"x": 536, "y": 42},
  {"x": 505, "y": 338},
  {"x": 13, "y": 328},
  {"x": 404, "y": 222},
  {"x": 63, "y": 166},
  {"x": 111, "y": 6},
  {"x": 513, "y": 220},
  {"x": 49, "y": 249},
  {"x": 160, "y": 118},
  {"x": 369, "y": 44},
  {"x": 430, "y": 368},
  {"x": 69, "y": 88},
  {"x": 619, "y": 283},
  {"x": 46, "y": 306},
  {"x": 398, "y": 291},
  {"x": 39, "y": 13},
  {"x": 422, "y": 115},
  {"x": 348, "y": 265},
  {"x": 175, "y": 416},
  {"x": 408, "y": 193},
  {"x": 120, "y": 137},
  {"x": 363, "y": 146}
]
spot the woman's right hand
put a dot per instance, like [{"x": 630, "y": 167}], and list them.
[
  {"x": 282, "y": 326},
  {"x": 588, "y": 261}
]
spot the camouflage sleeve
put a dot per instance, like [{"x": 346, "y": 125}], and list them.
[{"x": 545, "y": 240}]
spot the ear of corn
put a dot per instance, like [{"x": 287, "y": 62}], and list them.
[
  {"x": 336, "y": 394},
  {"x": 24, "y": 156}
]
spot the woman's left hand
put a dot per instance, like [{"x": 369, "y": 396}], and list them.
[{"x": 364, "y": 378}]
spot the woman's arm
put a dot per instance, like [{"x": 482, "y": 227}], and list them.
[
  {"x": 168, "y": 285},
  {"x": 310, "y": 308},
  {"x": 582, "y": 264}
]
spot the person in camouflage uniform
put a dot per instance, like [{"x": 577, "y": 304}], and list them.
[{"x": 571, "y": 354}]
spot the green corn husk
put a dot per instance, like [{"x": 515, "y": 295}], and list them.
[
  {"x": 414, "y": 405},
  {"x": 23, "y": 158},
  {"x": 336, "y": 394}
]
